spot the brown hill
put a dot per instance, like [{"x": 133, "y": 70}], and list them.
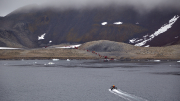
[
  {"x": 107, "y": 48},
  {"x": 118, "y": 50}
]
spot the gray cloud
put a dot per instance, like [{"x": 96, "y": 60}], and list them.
[{"x": 7, "y": 6}]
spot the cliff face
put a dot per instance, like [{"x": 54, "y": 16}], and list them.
[{"x": 22, "y": 28}]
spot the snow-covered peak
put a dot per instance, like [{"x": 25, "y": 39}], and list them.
[
  {"x": 41, "y": 37},
  {"x": 103, "y": 23},
  {"x": 147, "y": 38},
  {"x": 118, "y": 23}
]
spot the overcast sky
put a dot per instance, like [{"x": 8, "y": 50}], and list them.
[{"x": 7, "y": 6}]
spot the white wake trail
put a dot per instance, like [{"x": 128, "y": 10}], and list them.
[{"x": 126, "y": 96}]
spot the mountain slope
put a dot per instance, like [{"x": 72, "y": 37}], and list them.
[{"x": 79, "y": 26}]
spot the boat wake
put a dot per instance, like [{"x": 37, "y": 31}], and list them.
[{"x": 126, "y": 96}]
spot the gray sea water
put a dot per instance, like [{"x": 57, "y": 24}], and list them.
[{"x": 88, "y": 80}]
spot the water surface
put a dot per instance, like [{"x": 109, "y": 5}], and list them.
[{"x": 88, "y": 80}]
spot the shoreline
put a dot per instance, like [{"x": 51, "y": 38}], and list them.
[
  {"x": 47, "y": 58},
  {"x": 86, "y": 58}
]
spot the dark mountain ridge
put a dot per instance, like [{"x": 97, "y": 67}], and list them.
[{"x": 22, "y": 27}]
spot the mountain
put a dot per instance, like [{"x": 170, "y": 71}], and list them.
[{"x": 22, "y": 27}]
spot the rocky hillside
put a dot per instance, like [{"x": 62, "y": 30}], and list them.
[{"x": 22, "y": 27}]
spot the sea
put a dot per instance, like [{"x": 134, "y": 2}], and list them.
[{"x": 89, "y": 80}]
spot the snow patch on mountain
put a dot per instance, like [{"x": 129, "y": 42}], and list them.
[
  {"x": 71, "y": 46},
  {"x": 41, "y": 37},
  {"x": 103, "y": 23},
  {"x": 132, "y": 40},
  {"x": 137, "y": 22},
  {"x": 147, "y": 38},
  {"x": 136, "y": 40},
  {"x": 147, "y": 46},
  {"x": 8, "y": 48},
  {"x": 118, "y": 23},
  {"x": 176, "y": 37}
]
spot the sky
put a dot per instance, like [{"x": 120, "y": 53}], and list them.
[{"x": 7, "y": 6}]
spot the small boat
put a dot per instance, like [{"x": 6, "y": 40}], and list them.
[{"x": 106, "y": 60}]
